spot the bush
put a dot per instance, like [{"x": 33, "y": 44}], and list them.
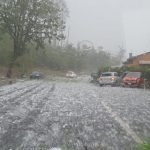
[
  {"x": 147, "y": 74},
  {"x": 145, "y": 70},
  {"x": 145, "y": 146}
]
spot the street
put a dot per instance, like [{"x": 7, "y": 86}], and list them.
[{"x": 40, "y": 115}]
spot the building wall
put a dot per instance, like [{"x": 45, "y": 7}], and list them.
[{"x": 135, "y": 61}]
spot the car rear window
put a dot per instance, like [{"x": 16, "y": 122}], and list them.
[
  {"x": 35, "y": 73},
  {"x": 134, "y": 74},
  {"x": 106, "y": 74}
]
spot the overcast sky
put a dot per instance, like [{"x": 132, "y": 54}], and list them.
[{"x": 110, "y": 23}]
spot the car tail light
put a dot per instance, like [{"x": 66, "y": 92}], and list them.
[{"x": 124, "y": 79}]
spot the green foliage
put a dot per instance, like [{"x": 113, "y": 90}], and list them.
[
  {"x": 44, "y": 147},
  {"x": 28, "y": 21},
  {"x": 70, "y": 58},
  {"x": 147, "y": 74},
  {"x": 144, "y": 70},
  {"x": 66, "y": 58},
  {"x": 145, "y": 146},
  {"x": 5, "y": 49}
]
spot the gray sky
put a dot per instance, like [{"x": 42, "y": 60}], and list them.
[{"x": 110, "y": 23}]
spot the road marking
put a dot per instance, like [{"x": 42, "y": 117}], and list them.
[{"x": 123, "y": 124}]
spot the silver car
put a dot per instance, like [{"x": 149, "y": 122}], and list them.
[{"x": 108, "y": 78}]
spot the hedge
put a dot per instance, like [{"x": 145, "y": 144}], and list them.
[{"x": 145, "y": 70}]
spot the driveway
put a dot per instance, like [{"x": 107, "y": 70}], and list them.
[{"x": 40, "y": 115}]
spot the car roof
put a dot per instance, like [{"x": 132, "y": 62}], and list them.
[
  {"x": 134, "y": 72},
  {"x": 70, "y": 72},
  {"x": 108, "y": 72},
  {"x": 35, "y": 72}
]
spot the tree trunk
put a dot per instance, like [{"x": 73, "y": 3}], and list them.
[
  {"x": 9, "y": 71},
  {"x": 19, "y": 48},
  {"x": 11, "y": 65}
]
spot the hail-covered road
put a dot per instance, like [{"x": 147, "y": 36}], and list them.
[{"x": 39, "y": 115}]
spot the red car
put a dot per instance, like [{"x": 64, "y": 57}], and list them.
[{"x": 133, "y": 79}]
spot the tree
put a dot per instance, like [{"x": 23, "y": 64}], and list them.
[
  {"x": 121, "y": 54},
  {"x": 32, "y": 21}
]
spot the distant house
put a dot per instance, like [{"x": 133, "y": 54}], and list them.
[{"x": 139, "y": 60}]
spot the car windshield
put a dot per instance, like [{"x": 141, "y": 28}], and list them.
[{"x": 134, "y": 74}]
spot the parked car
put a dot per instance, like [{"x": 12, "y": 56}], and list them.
[
  {"x": 95, "y": 77},
  {"x": 71, "y": 74},
  {"x": 133, "y": 79},
  {"x": 37, "y": 75},
  {"x": 108, "y": 78},
  {"x": 121, "y": 77}
]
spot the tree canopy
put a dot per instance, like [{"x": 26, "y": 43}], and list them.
[{"x": 32, "y": 21}]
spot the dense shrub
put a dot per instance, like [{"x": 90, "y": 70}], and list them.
[
  {"x": 145, "y": 70},
  {"x": 145, "y": 146}
]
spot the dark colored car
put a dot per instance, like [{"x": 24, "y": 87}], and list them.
[
  {"x": 95, "y": 77},
  {"x": 120, "y": 78},
  {"x": 37, "y": 75},
  {"x": 133, "y": 79}
]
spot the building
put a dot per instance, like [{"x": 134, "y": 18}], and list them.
[{"x": 139, "y": 60}]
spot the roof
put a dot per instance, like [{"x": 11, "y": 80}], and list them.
[
  {"x": 140, "y": 55},
  {"x": 129, "y": 59},
  {"x": 144, "y": 62}
]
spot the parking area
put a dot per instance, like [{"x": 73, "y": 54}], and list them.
[{"x": 40, "y": 115}]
